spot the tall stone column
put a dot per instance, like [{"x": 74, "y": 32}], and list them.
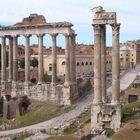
[
  {"x": 97, "y": 65},
  {"x": 72, "y": 59},
  {"x": 15, "y": 59},
  {"x": 27, "y": 59},
  {"x": 3, "y": 60},
  {"x": 54, "y": 59},
  {"x": 67, "y": 54},
  {"x": 115, "y": 64},
  {"x": 10, "y": 59},
  {"x": 15, "y": 66},
  {"x": 103, "y": 63},
  {"x": 40, "y": 59}
]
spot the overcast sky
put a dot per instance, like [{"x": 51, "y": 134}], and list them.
[{"x": 77, "y": 12}]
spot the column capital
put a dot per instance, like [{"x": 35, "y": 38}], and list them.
[
  {"x": 97, "y": 29},
  {"x": 27, "y": 35},
  {"x": 66, "y": 34},
  {"x": 40, "y": 35},
  {"x": 54, "y": 34},
  {"x": 115, "y": 29}
]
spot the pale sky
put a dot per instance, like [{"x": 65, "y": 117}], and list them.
[{"x": 77, "y": 12}]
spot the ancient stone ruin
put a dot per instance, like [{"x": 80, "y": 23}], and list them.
[
  {"x": 104, "y": 114},
  {"x": 35, "y": 24}
]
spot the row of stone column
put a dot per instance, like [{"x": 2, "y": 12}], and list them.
[
  {"x": 70, "y": 74},
  {"x": 100, "y": 64}
]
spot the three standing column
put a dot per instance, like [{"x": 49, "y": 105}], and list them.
[{"x": 115, "y": 64}]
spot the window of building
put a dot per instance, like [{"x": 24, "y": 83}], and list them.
[
  {"x": 132, "y": 98},
  {"x": 63, "y": 63},
  {"x": 126, "y": 59},
  {"x": 78, "y": 64},
  {"x": 132, "y": 54},
  {"x": 50, "y": 67},
  {"x": 82, "y": 63},
  {"x": 126, "y": 54},
  {"x": 86, "y": 63},
  {"x": 90, "y": 63},
  {"x": 132, "y": 59}
]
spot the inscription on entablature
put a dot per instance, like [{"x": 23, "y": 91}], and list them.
[{"x": 105, "y": 18}]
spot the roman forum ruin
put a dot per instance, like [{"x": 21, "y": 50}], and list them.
[
  {"x": 105, "y": 114},
  {"x": 37, "y": 25}
]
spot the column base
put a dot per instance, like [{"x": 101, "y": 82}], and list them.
[{"x": 105, "y": 116}]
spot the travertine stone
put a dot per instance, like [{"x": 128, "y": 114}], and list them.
[
  {"x": 54, "y": 59},
  {"x": 103, "y": 63},
  {"x": 40, "y": 66},
  {"x": 10, "y": 59},
  {"x": 97, "y": 65},
  {"x": 115, "y": 64}
]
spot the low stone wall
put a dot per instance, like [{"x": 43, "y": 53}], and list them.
[{"x": 47, "y": 92}]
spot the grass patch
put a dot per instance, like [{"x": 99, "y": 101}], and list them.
[
  {"x": 40, "y": 113},
  {"x": 63, "y": 138},
  {"x": 131, "y": 111},
  {"x": 109, "y": 132},
  {"x": 71, "y": 129},
  {"x": 23, "y": 136}
]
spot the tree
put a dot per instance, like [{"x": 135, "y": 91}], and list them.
[
  {"x": 34, "y": 62},
  {"x": 22, "y": 63}
]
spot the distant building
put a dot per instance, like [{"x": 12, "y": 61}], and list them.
[{"x": 129, "y": 54}]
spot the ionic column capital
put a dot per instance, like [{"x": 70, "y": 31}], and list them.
[{"x": 115, "y": 29}]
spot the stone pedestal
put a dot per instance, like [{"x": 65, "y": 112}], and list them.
[
  {"x": 74, "y": 91},
  {"x": 105, "y": 116},
  {"x": 66, "y": 96},
  {"x": 14, "y": 89},
  {"x": 26, "y": 89}
]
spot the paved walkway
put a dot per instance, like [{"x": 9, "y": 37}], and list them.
[
  {"x": 127, "y": 79},
  {"x": 81, "y": 106}
]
